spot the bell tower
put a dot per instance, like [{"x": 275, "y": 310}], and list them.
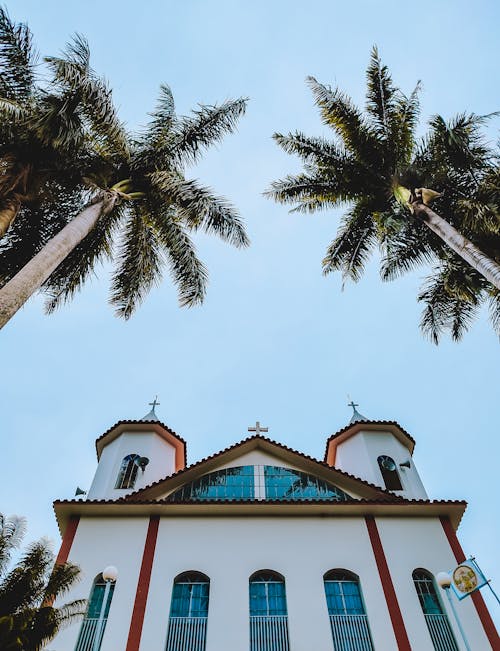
[
  {"x": 133, "y": 454},
  {"x": 377, "y": 451}
]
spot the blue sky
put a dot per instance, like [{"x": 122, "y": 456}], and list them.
[{"x": 275, "y": 340}]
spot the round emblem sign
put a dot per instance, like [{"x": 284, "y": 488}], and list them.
[{"x": 465, "y": 579}]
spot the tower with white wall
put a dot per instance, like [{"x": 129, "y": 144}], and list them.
[
  {"x": 378, "y": 451},
  {"x": 135, "y": 453}
]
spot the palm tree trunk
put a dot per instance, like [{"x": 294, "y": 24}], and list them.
[
  {"x": 31, "y": 277},
  {"x": 7, "y": 214},
  {"x": 468, "y": 251}
]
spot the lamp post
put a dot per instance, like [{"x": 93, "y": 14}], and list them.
[
  {"x": 109, "y": 574},
  {"x": 444, "y": 580}
]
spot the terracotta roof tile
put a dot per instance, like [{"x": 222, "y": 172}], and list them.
[
  {"x": 367, "y": 422},
  {"x": 268, "y": 440},
  {"x": 144, "y": 422}
]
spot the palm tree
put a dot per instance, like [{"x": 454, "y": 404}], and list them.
[
  {"x": 138, "y": 206},
  {"x": 378, "y": 167},
  {"x": 28, "y": 618},
  {"x": 44, "y": 129}
]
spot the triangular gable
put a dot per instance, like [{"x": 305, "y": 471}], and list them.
[{"x": 256, "y": 450}]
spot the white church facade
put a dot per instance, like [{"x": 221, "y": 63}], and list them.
[{"x": 262, "y": 548}]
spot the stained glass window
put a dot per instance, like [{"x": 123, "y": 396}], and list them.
[{"x": 258, "y": 482}]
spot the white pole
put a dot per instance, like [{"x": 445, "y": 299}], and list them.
[
  {"x": 447, "y": 591},
  {"x": 100, "y": 621}
]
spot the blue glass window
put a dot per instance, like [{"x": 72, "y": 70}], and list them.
[
  {"x": 187, "y": 626},
  {"x": 288, "y": 484},
  {"x": 190, "y": 595},
  {"x": 96, "y": 617},
  {"x": 267, "y": 595},
  {"x": 273, "y": 483},
  {"x": 343, "y": 595},
  {"x": 128, "y": 471},
  {"x": 437, "y": 621}
]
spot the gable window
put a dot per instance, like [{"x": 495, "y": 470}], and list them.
[
  {"x": 348, "y": 618},
  {"x": 258, "y": 482},
  {"x": 390, "y": 473},
  {"x": 128, "y": 471},
  {"x": 289, "y": 484},
  {"x": 435, "y": 617},
  {"x": 268, "y": 612},
  {"x": 96, "y": 617},
  {"x": 187, "y": 624}
]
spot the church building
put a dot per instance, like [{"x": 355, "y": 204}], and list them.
[{"x": 260, "y": 547}]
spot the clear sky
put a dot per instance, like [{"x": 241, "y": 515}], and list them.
[{"x": 275, "y": 340}]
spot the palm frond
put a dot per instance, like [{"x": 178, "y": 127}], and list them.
[
  {"x": 446, "y": 309},
  {"x": 12, "y": 111},
  {"x": 207, "y": 126},
  {"x": 163, "y": 117},
  {"x": 338, "y": 111},
  {"x": 139, "y": 263},
  {"x": 405, "y": 250},
  {"x": 404, "y": 121},
  {"x": 90, "y": 93},
  {"x": 17, "y": 59},
  {"x": 351, "y": 248},
  {"x": 311, "y": 150},
  {"x": 494, "y": 309},
  {"x": 198, "y": 208},
  {"x": 187, "y": 271},
  {"x": 380, "y": 94},
  {"x": 62, "y": 578}
]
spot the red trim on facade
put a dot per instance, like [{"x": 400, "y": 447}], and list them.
[
  {"x": 67, "y": 540},
  {"x": 141, "y": 595},
  {"x": 482, "y": 610},
  {"x": 390, "y": 594}
]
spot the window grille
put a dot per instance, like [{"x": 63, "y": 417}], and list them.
[
  {"x": 346, "y": 610},
  {"x": 268, "y": 613},
  {"x": 437, "y": 622},
  {"x": 128, "y": 471},
  {"x": 96, "y": 617},
  {"x": 187, "y": 624}
]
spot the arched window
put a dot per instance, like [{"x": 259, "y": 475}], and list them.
[
  {"x": 96, "y": 617},
  {"x": 187, "y": 624},
  {"x": 128, "y": 471},
  {"x": 268, "y": 612},
  {"x": 258, "y": 482},
  {"x": 437, "y": 621},
  {"x": 348, "y": 618},
  {"x": 390, "y": 473}
]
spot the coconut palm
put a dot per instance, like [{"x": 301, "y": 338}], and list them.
[
  {"x": 378, "y": 166},
  {"x": 28, "y": 617},
  {"x": 45, "y": 128},
  {"x": 138, "y": 206}
]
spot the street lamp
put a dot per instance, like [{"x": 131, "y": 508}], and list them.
[
  {"x": 109, "y": 574},
  {"x": 444, "y": 580}
]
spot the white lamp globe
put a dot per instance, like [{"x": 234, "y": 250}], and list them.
[
  {"x": 443, "y": 579},
  {"x": 110, "y": 573}
]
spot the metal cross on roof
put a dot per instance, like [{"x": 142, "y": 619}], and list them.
[
  {"x": 353, "y": 404},
  {"x": 258, "y": 429},
  {"x": 154, "y": 403}
]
